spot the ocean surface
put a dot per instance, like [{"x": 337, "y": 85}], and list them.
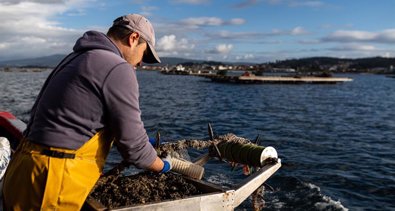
[{"x": 336, "y": 142}]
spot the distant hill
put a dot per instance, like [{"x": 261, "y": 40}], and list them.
[
  {"x": 360, "y": 63},
  {"x": 45, "y": 61},
  {"x": 53, "y": 60},
  {"x": 309, "y": 63}
]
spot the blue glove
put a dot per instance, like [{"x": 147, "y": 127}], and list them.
[
  {"x": 152, "y": 141},
  {"x": 166, "y": 164}
]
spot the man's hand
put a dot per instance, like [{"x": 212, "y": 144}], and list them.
[{"x": 166, "y": 164}]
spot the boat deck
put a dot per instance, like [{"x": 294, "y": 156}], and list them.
[
  {"x": 213, "y": 197},
  {"x": 277, "y": 79}
]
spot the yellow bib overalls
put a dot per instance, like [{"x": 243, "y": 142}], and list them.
[{"x": 40, "y": 181}]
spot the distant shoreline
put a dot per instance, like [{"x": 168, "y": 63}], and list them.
[{"x": 24, "y": 69}]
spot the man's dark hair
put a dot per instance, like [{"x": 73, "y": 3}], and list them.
[{"x": 121, "y": 33}]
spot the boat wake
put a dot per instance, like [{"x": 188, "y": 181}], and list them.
[{"x": 291, "y": 193}]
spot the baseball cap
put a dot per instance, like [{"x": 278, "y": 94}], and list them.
[{"x": 143, "y": 26}]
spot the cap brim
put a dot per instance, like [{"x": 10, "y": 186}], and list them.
[{"x": 151, "y": 57}]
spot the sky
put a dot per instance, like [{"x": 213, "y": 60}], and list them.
[{"x": 221, "y": 30}]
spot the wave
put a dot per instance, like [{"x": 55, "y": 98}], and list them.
[{"x": 290, "y": 193}]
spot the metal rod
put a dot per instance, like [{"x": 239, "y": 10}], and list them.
[
  {"x": 157, "y": 141},
  {"x": 218, "y": 152},
  {"x": 257, "y": 140},
  {"x": 210, "y": 132}
]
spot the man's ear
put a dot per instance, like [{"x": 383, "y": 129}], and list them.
[{"x": 134, "y": 37}]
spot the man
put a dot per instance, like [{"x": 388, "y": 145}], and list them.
[{"x": 90, "y": 99}]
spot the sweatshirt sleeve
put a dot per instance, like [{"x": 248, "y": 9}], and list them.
[{"x": 121, "y": 96}]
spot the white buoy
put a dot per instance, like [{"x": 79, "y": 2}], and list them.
[
  {"x": 268, "y": 152},
  {"x": 5, "y": 155}
]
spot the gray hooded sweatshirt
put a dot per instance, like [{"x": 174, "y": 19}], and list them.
[{"x": 94, "y": 88}]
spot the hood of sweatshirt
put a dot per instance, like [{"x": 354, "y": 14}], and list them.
[{"x": 95, "y": 40}]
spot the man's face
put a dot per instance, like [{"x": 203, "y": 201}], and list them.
[
  {"x": 138, "y": 54},
  {"x": 136, "y": 50}
]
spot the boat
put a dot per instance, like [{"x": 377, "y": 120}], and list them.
[
  {"x": 212, "y": 197},
  {"x": 253, "y": 79},
  {"x": 11, "y": 128}
]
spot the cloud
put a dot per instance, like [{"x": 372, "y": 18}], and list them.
[
  {"x": 354, "y": 47},
  {"x": 191, "y": 1},
  {"x": 297, "y": 3},
  {"x": 202, "y": 21},
  {"x": 140, "y": 1},
  {"x": 298, "y": 31},
  {"x": 347, "y": 36},
  {"x": 36, "y": 29},
  {"x": 311, "y": 41},
  {"x": 387, "y": 54},
  {"x": 256, "y": 35},
  {"x": 221, "y": 49},
  {"x": 234, "y": 35},
  {"x": 236, "y": 21},
  {"x": 170, "y": 43},
  {"x": 224, "y": 48},
  {"x": 210, "y": 21},
  {"x": 245, "y": 57},
  {"x": 9, "y": 2},
  {"x": 357, "y": 50},
  {"x": 313, "y": 4},
  {"x": 244, "y": 4},
  {"x": 147, "y": 10},
  {"x": 386, "y": 36},
  {"x": 294, "y": 32},
  {"x": 274, "y": 1}
]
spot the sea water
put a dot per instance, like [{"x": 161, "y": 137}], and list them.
[{"x": 336, "y": 141}]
